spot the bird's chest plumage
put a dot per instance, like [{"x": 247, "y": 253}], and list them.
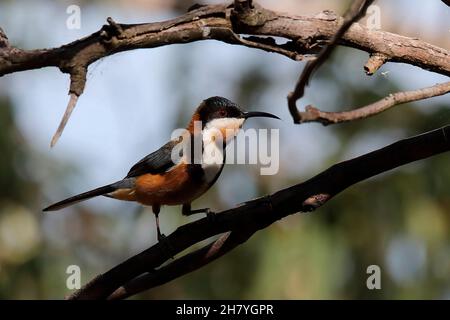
[
  {"x": 211, "y": 172},
  {"x": 186, "y": 181},
  {"x": 183, "y": 184},
  {"x": 213, "y": 160}
]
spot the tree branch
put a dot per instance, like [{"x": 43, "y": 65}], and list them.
[
  {"x": 356, "y": 11},
  {"x": 306, "y": 35},
  {"x": 246, "y": 219},
  {"x": 375, "y": 61},
  {"x": 188, "y": 263},
  {"x": 312, "y": 114}
]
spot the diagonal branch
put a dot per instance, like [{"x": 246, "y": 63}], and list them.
[
  {"x": 312, "y": 114},
  {"x": 186, "y": 264},
  {"x": 356, "y": 11},
  {"x": 248, "y": 218}
]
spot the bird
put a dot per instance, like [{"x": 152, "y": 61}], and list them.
[{"x": 160, "y": 178}]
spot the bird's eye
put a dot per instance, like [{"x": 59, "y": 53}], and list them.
[{"x": 222, "y": 113}]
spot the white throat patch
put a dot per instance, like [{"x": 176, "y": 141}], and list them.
[
  {"x": 227, "y": 127},
  {"x": 214, "y": 134}
]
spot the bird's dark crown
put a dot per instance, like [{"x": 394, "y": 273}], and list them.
[{"x": 218, "y": 107}]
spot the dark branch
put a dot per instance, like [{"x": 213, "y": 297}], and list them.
[
  {"x": 255, "y": 215},
  {"x": 188, "y": 263},
  {"x": 356, "y": 11}
]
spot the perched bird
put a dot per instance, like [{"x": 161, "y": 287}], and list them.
[{"x": 158, "y": 180}]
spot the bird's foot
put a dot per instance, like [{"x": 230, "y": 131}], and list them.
[{"x": 161, "y": 237}]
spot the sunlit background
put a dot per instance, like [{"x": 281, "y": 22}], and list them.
[{"x": 399, "y": 221}]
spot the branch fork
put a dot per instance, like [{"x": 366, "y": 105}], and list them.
[{"x": 356, "y": 11}]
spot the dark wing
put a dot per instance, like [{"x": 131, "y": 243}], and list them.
[{"x": 156, "y": 162}]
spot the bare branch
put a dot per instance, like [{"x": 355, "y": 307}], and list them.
[
  {"x": 306, "y": 35},
  {"x": 186, "y": 264},
  {"x": 77, "y": 84},
  {"x": 70, "y": 106},
  {"x": 266, "y": 44},
  {"x": 376, "y": 60},
  {"x": 356, "y": 11},
  {"x": 312, "y": 114},
  {"x": 256, "y": 215}
]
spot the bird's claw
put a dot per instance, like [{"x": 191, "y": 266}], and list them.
[{"x": 161, "y": 237}]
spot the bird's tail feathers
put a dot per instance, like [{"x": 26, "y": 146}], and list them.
[{"x": 84, "y": 196}]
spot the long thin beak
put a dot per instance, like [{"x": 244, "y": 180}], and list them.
[{"x": 252, "y": 114}]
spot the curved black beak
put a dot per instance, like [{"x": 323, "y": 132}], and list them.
[{"x": 253, "y": 114}]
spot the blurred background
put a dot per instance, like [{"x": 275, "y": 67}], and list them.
[{"x": 399, "y": 220}]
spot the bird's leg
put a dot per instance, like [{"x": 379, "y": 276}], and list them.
[
  {"x": 161, "y": 237},
  {"x": 156, "y": 209},
  {"x": 187, "y": 211}
]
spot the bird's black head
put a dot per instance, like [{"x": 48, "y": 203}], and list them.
[
  {"x": 220, "y": 115},
  {"x": 219, "y": 108}
]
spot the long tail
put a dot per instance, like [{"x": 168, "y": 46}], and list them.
[{"x": 84, "y": 196}]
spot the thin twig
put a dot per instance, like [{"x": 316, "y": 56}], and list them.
[
  {"x": 356, "y": 11},
  {"x": 70, "y": 106},
  {"x": 312, "y": 114},
  {"x": 265, "y": 44},
  {"x": 77, "y": 85},
  {"x": 375, "y": 61}
]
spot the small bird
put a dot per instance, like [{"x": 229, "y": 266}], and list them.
[{"x": 158, "y": 180}]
